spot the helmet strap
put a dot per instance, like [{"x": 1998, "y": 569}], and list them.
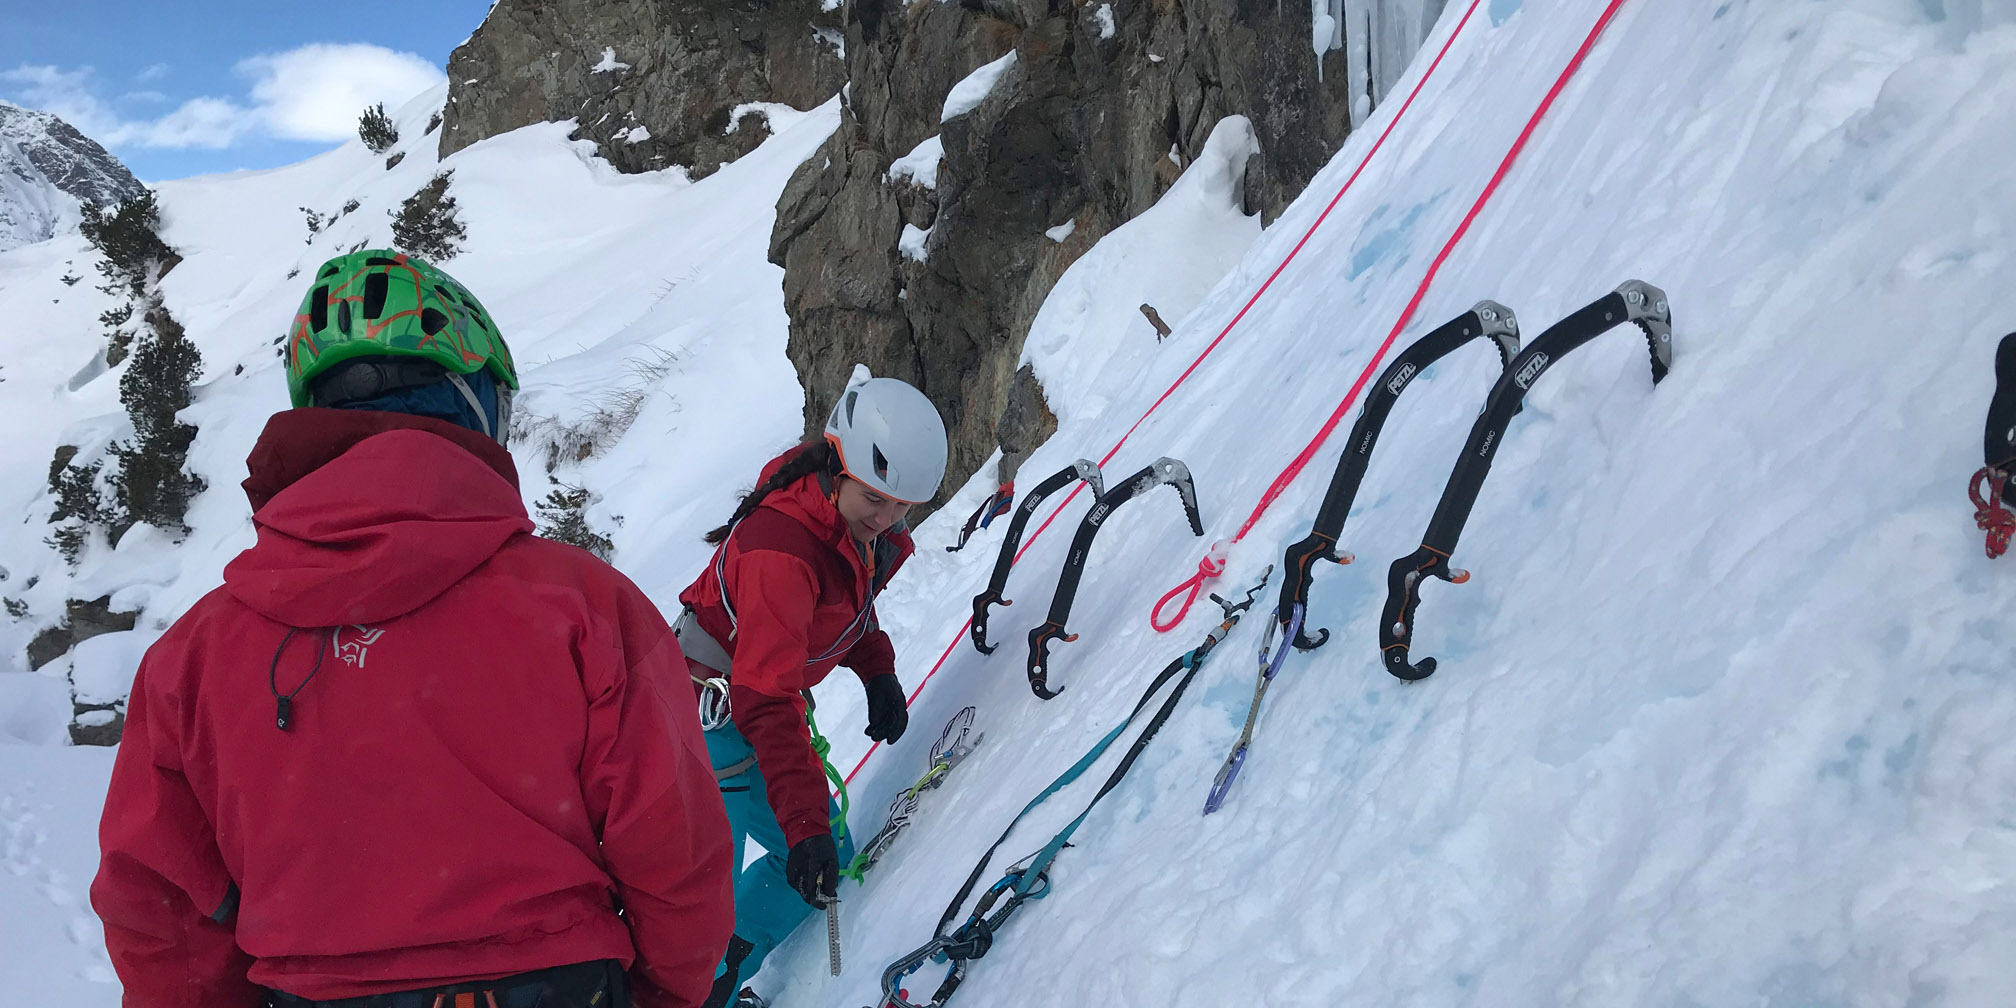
[{"x": 462, "y": 385}]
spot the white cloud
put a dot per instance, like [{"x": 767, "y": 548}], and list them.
[
  {"x": 72, "y": 95},
  {"x": 152, "y": 72},
  {"x": 315, "y": 92},
  {"x": 199, "y": 122},
  {"x": 52, "y": 89}
]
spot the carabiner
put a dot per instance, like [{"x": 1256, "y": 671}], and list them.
[
  {"x": 893, "y": 977},
  {"x": 714, "y": 708}
]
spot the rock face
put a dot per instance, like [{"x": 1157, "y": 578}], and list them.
[
  {"x": 91, "y": 723},
  {"x": 82, "y": 621},
  {"x": 1099, "y": 110},
  {"x": 654, "y": 84},
  {"x": 47, "y": 170},
  {"x": 925, "y": 235}
]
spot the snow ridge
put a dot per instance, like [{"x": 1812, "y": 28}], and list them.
[{"x": 47, "y": 171}]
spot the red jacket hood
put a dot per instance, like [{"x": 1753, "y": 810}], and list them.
[{"x": 366, "y": 516}]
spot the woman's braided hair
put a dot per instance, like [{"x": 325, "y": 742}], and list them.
[{"x": 812, "y": 457}]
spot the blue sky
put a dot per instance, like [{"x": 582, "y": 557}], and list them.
[{"x": 178, "y": 89}]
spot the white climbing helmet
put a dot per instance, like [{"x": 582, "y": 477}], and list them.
[{"x": 889, "y": 437}]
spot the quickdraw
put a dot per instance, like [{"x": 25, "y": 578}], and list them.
[
  {"x": 1029, "y": 878},
  {"x": 949, "y": 751},
  {"x": 1222, "y": 784}
]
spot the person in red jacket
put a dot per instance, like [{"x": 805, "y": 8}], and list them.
[
  {"x": 789, "y": 596},
  {"x": 410, "y": 752}
]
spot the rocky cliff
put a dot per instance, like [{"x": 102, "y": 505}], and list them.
[
  {"x": 656, "y": 85},
  {"x": 47, "y": 169},
  {"x": 984, "y": 146},
  {"x": 1097, "y": 111}
]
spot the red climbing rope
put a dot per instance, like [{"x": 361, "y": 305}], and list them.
[
  {"x": 1222, "y": 333},
  {"x": 1989, "y": 514},
  {"x": 1190, "y": 589}
]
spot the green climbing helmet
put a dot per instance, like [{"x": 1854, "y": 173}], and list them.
[{"x": 378, "y": 302}]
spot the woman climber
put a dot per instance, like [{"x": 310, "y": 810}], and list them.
[{"x": 788, "y": 596}]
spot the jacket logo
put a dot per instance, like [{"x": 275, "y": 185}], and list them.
[
  {"x": 1524, "y": 379},
  {"x": 352, "y": 642}
]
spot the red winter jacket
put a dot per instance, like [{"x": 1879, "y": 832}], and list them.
[
  {"x": 492, "y": 748},
  {"x": 801, "y": 590}
]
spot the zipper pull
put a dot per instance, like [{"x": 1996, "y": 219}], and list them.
[{"x": 284, "y": 712}]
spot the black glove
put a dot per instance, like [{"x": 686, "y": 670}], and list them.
[
  {"x": 887, "y": 713},
  {"x": 813, "y": 869}
]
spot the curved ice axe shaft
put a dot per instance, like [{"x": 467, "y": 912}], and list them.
[
  {"x": 1157, "y": 473},
  {"x": 1487, "y": 319},
  {"x": 1634, "y": 301},
  {"x": 1083, "y": 469}
]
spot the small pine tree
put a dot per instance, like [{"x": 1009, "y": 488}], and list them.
[
  {"x": 150, "y": 480},
  {"x": 563, "y": 518},
  {"x": 425, "y": 224},
  {"x": 133, "y": 253},
  {"x": 79, "y": 504},
  {"x": 315, "y": 223},
  {"x": 375, "y": 128}
]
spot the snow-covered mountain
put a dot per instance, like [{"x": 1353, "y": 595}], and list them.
[
  {"x": 48, "y": 170},
  {"x": 1724, "y": 712}
]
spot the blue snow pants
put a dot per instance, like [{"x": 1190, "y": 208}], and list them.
[{"x": 767, "y": 909}]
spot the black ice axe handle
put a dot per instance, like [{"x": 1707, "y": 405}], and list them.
[
  {"x": 1083, "y": 469},
  {"x": 1633, "y": 301},
  {"x": 1157, "y": 473},
  {"x": 1998, "y": 443},
  {"x": 1487, "y": 319},
  {"x": 1403, "y": 596}
]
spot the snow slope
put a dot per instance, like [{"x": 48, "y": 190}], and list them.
[
  {"x": 588, "y": 271},
  {"x": 643, "y": 296},
  {"x": 1723, "y": 715}
]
